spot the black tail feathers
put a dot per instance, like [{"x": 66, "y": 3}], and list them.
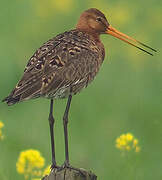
[{"x": 11, "y": 100}]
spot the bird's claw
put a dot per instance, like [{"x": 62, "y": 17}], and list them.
[
  {"x": 54, "y": 166},
  {"x": 66, "y": 165}
]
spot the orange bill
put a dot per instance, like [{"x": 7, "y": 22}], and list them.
[{"x": 112, "y": 31}]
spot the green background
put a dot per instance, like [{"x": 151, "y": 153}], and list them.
[{"x": 125, "y": 97}]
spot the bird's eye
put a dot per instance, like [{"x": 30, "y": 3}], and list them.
[{"x": 99, "y": 19}]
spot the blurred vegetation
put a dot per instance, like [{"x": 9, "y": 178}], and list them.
[
  {"x": 125, "y": 97},
  {"x": 30, "y": 164},
  {"x": 1, "y": 133}
]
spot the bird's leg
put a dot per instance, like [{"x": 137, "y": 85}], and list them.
[
  {"x": 65, "y": 122},
  {"x": 51, "y": 123}
]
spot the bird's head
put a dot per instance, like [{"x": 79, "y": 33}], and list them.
[{"x": 95, "y": 22}]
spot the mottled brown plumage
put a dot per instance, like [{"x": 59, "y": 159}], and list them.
[
  {"x": 68, "y": 61},
  {"x": 66, "y": 64}
]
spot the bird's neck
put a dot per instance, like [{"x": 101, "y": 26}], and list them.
[
  {"x": 95, "y": 36},
  {"x": 83, "y": 26}
]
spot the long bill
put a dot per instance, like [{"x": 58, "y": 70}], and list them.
[{"x": 112, "y": 31}]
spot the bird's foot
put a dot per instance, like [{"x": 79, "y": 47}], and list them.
[
  {"x": 66, "y": 165},
  {"x": 54, "y": 166}
]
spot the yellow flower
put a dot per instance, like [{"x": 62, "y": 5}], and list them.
[
  {"x": 129, "y": 136},
  {"x": 1, "y": 134},
  {"x": 123, "y": 137},
  {"x": 123, "y": 142},
  {"x": 37, "y": 173},
  {"x": 127, "y": 142},
  {"x": 29, "y": 163},
  {"x": 1, "y": 125},
  {"x": 135, "y": 142}
]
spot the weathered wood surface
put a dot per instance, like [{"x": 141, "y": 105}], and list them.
[{"x": 70, "y": 174}]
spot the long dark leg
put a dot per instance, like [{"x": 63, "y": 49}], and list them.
[
  {"x": 65, "y": 122},
  {"x": 51, "y": 123}
]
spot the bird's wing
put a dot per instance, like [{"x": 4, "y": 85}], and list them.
[
  {"x": 30, "y": 84},
  {"x": 59, "y": 62},
  {"x": 74, "y": 61}
]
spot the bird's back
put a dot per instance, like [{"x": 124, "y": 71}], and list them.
[{"x": 63, "y": 65}]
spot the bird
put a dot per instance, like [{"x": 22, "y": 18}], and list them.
[{"x": 65, "y": 65}]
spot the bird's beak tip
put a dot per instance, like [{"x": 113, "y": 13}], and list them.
[{"x": 112, "y": 31}]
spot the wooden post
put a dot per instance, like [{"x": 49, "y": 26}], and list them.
[{"x": 70, "y": 174}]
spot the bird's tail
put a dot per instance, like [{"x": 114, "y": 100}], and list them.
[
  {"x": 19, "y": 95},
  {"x": 10, "y": 100}
]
